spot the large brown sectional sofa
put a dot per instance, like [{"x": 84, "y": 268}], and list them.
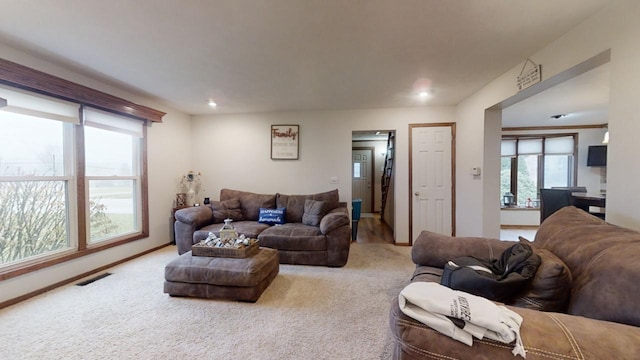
[
  {"x": 584, "y": 302},
  {"x": 316, "y": 230}
]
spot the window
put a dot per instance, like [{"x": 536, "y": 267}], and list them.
[
  {"x": 37, "y": 196},
  {"x": 531, "y": 162},
  {"x": 66, "y": 185},
  {"x": 356, "y": 170},
  {"x": 112, "y": 172}
]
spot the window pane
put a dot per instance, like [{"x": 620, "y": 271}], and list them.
[
  {"x": 505, "y": 176},
  {"x": 34, "y": 219},
  {"x": 112, "y": 208},
  {"x": 108, "y": 153},
  {"x": 356, "y": 170},
  {"x": 557, "y": 170},
  {"x": 44, "y": 154},
  {"x": 527, "y": 187}
]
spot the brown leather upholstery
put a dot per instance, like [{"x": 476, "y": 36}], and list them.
[
  {"x": 325, "y": 242},
  {"x": 589, "y": 271},
  {"x": 221, "y": 278}
]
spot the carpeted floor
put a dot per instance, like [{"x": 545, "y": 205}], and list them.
[{"x": 308, "y": 312}]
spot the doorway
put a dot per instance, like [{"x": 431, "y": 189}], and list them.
[
  {"x": 362, "y": 164},
  {"x": 432, "y": 174},
  {"x": 369, "y": 156}
]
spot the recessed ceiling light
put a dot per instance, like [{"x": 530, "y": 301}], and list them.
[{"x": 212, "y": 103}]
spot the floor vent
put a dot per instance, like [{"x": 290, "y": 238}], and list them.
[{"x": 95, "y": 278}]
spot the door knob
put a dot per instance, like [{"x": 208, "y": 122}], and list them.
[{"x": 417, "y": 193}]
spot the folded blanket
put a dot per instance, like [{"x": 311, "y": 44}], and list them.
[{"x": 439, "y": 306}]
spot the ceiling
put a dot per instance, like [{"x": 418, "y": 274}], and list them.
[
  {"x": 290, "y": 55},
  {"x": 584, "y": 100}
]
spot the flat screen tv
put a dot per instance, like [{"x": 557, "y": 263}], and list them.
[{"x": 597, "y": 155}]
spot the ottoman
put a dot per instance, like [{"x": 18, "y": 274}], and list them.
[{"x": 221, "y": 278}]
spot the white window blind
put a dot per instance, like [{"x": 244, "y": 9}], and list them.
[
  {"x": 112, "y": 122},
  {"x": 530, "y": 147},
  {"x": 36, "y": 105},
  {"x": 508, "y": 148},
  {"x": 559, "y": 145}
]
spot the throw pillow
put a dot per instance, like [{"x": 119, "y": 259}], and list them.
[
  {"x": 228, "y": 209},
  {"x": 550, "y": 288},
  {"x": 272, "y": 216},
  {"x": 313, "y": 212}
]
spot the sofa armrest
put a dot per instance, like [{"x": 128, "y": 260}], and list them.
[
  {"x": 333, "y": 220},
  {"x": 545, "y": 335},
  {"x": 432, "y": 249},
  {"x": 195, "y": 216},
  {"x": 335, "y": 226}
]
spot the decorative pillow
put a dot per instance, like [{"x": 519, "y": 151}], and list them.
[
  {"x": 313, "y": 212},
  {"x": 228, "y": 209},
  {"x": 272, "y": 216},
  {"x": 550, "y": 288},
  {"x": 295, "y": 203}
]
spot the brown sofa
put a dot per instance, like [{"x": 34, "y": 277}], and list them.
[
  {"x": 584, "y": 302},
  {"x": 316, "y": 229}
]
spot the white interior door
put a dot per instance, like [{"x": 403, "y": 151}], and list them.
[
  {"x": 431, "y": 180},
  {"x": 361, "y": 177}
]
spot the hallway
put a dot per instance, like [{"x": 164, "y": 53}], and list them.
[{"x": 372, "y": 230}]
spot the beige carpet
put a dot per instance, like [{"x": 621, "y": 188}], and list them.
[{"x": 308, "y": 312}]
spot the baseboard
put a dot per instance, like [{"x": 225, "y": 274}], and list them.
[{"x": 75, "y": 278}]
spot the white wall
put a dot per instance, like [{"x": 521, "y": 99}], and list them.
[
  {"x": 168, "y": 157},
  {"x": 616, "y": 28},
  {"x": 233, "y": 151}
]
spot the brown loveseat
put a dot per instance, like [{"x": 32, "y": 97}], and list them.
[
  {"x": 316, "y": 229},
  {"x": 584, "y": 302}
]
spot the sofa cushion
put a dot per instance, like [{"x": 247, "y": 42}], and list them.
[
  {"x": 608, "y": 289},
  {"x": 295, "y": 203},
  {"x": 313, "y": 212},
  {"x": 550, "y": 288},
  {"x": 250, "y": 203},
  {"x": 293, "y": 236},
  {"x": 433, "y": 249},
  {"x": 228, "y": 209},
  {"x": 272, "y": 216},
  {"x": 247, "y": 228}
]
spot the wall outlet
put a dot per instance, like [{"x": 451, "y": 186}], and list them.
[{"x": 333, "y": 180}]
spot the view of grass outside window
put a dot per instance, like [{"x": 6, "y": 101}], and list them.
[
  {"x": 38, "y": 193},
  {"x": 111, "y": 173},
  {"x": 535, "y": 162}
]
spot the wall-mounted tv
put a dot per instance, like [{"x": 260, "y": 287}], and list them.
[{"x": 597, "y": 155}]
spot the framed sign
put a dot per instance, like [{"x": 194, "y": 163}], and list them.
[{"x": 285, "y": 142}]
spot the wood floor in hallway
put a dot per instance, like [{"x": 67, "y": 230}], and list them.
[{"x": 372, "y": 230}]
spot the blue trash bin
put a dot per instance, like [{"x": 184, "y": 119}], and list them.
[{"x": 355, "y": 217}]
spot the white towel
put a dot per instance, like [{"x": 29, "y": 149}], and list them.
[{"x": 432, "y": 304}]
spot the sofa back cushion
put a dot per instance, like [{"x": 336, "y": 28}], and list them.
[
  {"x": 433, "y": 249},
  {"x": 295, "y": 203},
  {"x": 603, "y": 261},
  {"x": 250, "y": 203},
  {"x": 228, "y": 209}
]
